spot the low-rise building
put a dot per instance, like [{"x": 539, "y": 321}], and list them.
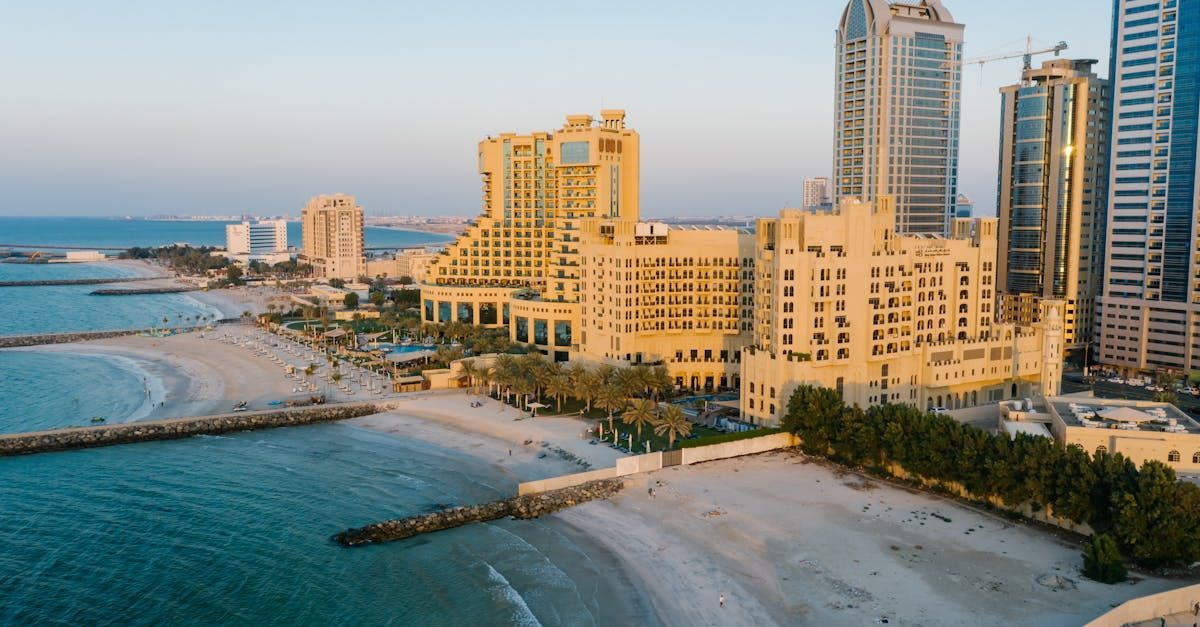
[
  {"x": 410, "y": 262},
  {"x": 843, "y": 302},
  {"x": 1139, "y": 430}
]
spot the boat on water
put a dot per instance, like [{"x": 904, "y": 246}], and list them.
[{"x": 98, "y": 419}]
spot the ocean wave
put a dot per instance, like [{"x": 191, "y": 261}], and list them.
[{"x": 504, "y": 591}]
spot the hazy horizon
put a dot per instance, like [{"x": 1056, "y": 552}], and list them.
[{"x": 225, "y": 109}]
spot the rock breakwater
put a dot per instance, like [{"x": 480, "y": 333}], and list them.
[
  {"x": 521, "y": 507},
  {"x": 15, "y": 341},
  {"x": 49, "y": 282},
  {"x": 177, "y": 428}
]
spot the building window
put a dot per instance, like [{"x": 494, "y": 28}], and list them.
[
  {"x": 1173, "y": 456},
  {"x": 1196, "y": 458}
]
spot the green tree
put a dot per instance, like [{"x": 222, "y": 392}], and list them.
[
  {"x": 1146, "y": 526},
  {"x": 673, "y": 424},
  {"x": 609, "y": 398},
  {"x": 1102, "y": 561},
  {"x": 378, "y": 298},
  {"x": 643, "y": 412},
  {"x": 234, "y": 274},
  {"x": 559, "y": 386},
  {"x": 588, "y": 387},
  {"x": 351, "y": 300}
]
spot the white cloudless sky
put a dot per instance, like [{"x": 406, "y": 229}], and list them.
[{"x": 140, "y": 107}]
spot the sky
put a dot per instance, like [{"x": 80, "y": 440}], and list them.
[{"x": 136, "y": 107}]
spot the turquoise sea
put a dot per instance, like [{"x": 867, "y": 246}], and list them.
[
  {"x": 124, "y": 233},
  {"x": 235, "y": 529}
]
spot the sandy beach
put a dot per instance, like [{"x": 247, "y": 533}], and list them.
[{"x": 785, "y": 539}]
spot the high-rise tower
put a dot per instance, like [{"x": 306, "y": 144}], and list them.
[
  {"x": 1052, "y": 194},
  {"x": 1150, "y": 310},
  {"x": 332, "y": 236},
  {"x": 897, "y": 109}
]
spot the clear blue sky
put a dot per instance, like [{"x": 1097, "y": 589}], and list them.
[{"x": 219, "y": 107}]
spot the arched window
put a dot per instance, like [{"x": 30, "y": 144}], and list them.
[
  {"x": 1173, "y": 456},
  {"x": 1101, "y": 450},
  {"x": 1196, "y": 458}
]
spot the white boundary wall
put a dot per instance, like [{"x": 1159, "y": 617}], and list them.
[{"x": 636, "y": 464}]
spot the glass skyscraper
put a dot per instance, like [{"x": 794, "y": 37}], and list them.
[
  {"x": 897, "y": 109},
  {"x": 1052, "y": 193},
  {"x": 1148, "y": 314}
]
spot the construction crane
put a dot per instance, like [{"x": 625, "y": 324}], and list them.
[{"x": 1027, "y": 55}]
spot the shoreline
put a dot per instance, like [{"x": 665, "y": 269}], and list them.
[{"x": 784, "y": 538}]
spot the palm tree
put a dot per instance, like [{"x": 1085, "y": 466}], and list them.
[
  {"x": 660, "y": 381},
  {"x": 610, "y": 399},
  {"x": 544, "y": 373},
  {"x": 471, "y": 372},
  {"x": 575, "y": 373},
  {"x": 605, "y": 372},
  {"x": 503, "y": 370},
  {"x": 642, "y": 412},
  {"x": 559, "y": 387},
  {"x": 626, "y": 381},
  {"x": 587, "y": 388},
  {"x": 673, "y": 424}
]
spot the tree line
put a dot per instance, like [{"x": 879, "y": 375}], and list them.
[{"x": 1153, "y": 518}]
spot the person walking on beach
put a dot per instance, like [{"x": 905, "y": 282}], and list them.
[{"x": 721, "y": 601}]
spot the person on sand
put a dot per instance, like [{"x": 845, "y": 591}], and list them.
[{"x": 721, "y": 601}]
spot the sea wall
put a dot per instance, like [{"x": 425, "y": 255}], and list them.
[
  {"x": 130, "y": 291},
  {"x": 522, "y": 507},
  {"x": 48, "y": 282},
  {"x": 130, "y": 432},
  {"x": 14, "y": 341}
]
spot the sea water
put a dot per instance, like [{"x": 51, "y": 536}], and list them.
[
  {"x": 122, "y": 233},
  {"x": 236, "y": 530},
  {"x": 68, "y": 308}
]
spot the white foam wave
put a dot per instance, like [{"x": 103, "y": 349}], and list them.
[{"x": 522, "y": 615}]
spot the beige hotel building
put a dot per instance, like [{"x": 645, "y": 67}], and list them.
[
  {"x": 332, "y": 235},
  {"x": 560, "y": 258},
  {"x": 843, "y": 302}
]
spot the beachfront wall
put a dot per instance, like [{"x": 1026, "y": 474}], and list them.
[
  {"x": 1154, "y": 606},
  {"x": 639, "y": 463},
  {"x": 565, "y": 481},
  {"x": 636, "y": 464},
  {"x": 738, "y": 448}
]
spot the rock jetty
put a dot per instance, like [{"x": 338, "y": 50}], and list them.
[
  {"x": 49, "y": 282},
  {"x": 14, "y": 341},
  {"x": 177, "y": 428},
  {"x": 127, "y": 291},
  {"x": 520, "y": 507}
]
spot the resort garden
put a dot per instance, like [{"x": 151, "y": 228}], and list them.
[{"x": 632, "y": 407}]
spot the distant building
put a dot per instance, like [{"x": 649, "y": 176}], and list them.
[
  {"x": 964, "y": 207},
  {"x": 1150, "y": 310},
  {"x": 897, "y": 96},
  {"x": 1053, "y": 189},
  {"x": 817, "y": 193},
  {"x": 411, "y": 262},
  {"x": 843, "y": 302},
  {"x": 256, "y": 238},
  {"x": 332, "y": 233}
]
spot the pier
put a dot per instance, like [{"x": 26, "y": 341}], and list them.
[
  {"x": 144, "y": 290},
  {"x": 15, "y": 341},
  {"x": 521, "y": 507},
  {"x": 50, "y": 282},
  {"x": 12, "y": 444}
]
